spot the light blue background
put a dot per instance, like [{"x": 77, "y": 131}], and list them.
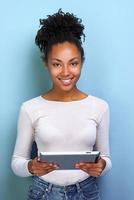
[{"x": 107, "y": 73}]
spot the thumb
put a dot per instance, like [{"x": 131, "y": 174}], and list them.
[{"x": 36, "y": 159}]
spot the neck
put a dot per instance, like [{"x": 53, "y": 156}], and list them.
[{"x": 64, "y": 95}]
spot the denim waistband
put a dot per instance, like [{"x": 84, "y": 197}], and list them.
[{"x": 78, "y": 184}]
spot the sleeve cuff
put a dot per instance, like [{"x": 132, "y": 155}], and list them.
[
  {"x": 20, "y": 167},
  {"x": 108, "y": 164}
]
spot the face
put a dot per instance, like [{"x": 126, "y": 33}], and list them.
[{"x": 64, "y": 65}]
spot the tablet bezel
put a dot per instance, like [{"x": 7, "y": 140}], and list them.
[{"x": 67, "y": 160}]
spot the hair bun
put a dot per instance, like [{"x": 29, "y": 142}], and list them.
[
  {"x": 59, "y": 27},
  {"x": 62, "y": 23}
]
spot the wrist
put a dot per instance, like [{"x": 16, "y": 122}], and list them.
[
  {"x": 29, "y": 166},
  {"x": 103, "y": 163}
]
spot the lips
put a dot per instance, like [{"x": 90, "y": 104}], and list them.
[{"x": 66, "y": 81}]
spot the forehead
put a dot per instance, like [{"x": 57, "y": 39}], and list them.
[{"x": 64, "y": 50}]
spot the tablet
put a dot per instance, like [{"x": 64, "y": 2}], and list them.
[{"x": 67, "y": 160}]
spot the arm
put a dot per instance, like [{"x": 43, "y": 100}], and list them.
[
  {"x": 102, "y": 140},
  {"x": 102, "y": 145},
  {"x": 24, "y": 140},
  {"x": 21, "y": 163}
]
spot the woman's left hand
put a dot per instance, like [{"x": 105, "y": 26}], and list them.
[{"x": 93, "y": 169}]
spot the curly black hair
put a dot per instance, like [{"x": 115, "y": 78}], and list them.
[{"x": 58, "y": 28}]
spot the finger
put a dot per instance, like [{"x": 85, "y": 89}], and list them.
[
  {"x": 35, "y": 159},
  {"x": 91, "y": 169},
  {"x": 85, "y": 165},
  {"x": 47, "y": 164},
  {"x": 44, "y": 168},
  {"x": 96, "y": 170},
  {"x": 50, "y": 166},
  {"x": 38, "y": 159},
  {"x": 101, "y": 163},
  {"x": 42, "y": 172},
  {"x": 91, "y": 166},
  {"x": 42, "y": 164},
  {"x": 92, "y": 173}
]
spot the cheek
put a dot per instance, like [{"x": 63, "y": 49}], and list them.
[
  {"x": 55, "y": 72},
  {"x": 76, "y": 71}
]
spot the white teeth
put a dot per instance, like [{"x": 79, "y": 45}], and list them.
[{"x": 65, "y": 81}]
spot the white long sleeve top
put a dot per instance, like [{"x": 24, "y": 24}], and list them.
[{"x": 80, "y": 125}]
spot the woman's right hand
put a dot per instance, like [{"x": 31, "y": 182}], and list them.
[{"x": 38, "y": 168}]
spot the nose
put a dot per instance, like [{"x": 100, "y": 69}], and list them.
[{"x": 65, "y": 70}]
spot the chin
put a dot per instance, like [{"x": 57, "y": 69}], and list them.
[{"x": 65, "y": 88}]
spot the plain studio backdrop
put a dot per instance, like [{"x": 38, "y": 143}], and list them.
[{"x": 107, "y": 73}]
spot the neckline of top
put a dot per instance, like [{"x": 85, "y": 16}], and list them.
[{"x": 64, "y": 102}]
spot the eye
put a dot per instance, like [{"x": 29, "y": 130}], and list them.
[
  {"x": 74, "y": 64},
  {"x": 56, "y": 64}
]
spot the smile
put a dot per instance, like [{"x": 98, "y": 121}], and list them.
[{"x": 66, "y": 81}]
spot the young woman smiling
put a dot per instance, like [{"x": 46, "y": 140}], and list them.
[{"x": 63, "y": 119}]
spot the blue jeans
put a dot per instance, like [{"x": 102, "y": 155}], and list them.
[{"x": 84, "y": 190}]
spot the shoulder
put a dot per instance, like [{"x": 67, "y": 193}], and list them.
[
  {"x": 31, "y": 107},
  {"x": 100, "y": 108},
  {"x": 99, "y": 103},
  {"x": 31, "y": 104}
]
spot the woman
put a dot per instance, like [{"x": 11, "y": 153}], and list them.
[{"x": 63, "y": 119}]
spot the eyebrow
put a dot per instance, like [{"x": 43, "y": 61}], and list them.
[{"x": 61, "y": 60}]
